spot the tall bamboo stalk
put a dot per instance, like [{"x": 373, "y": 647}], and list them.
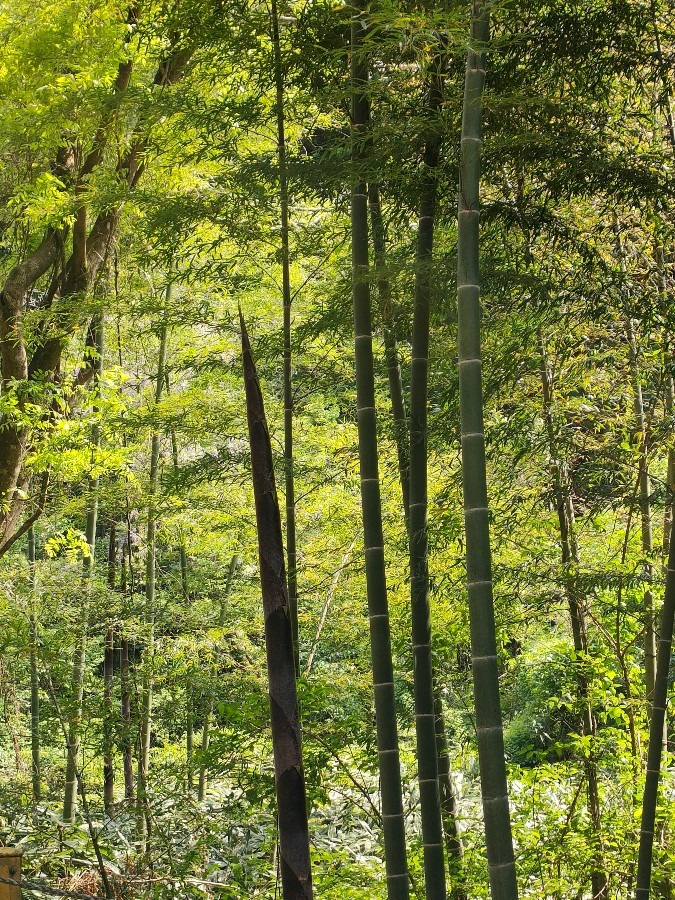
[
  {"x": 127, "y": 580},
  {"x": 296, "y": 877},
  {"x": 185, "y": 591},
  {"x": 376, "y": 584},
  {"x": 489, "y": 730},
  {"x": 150, "y": 585},
  {"x": 125, "y": 716},
  {"x": 36, "y": 772},
  {"x": 570, "y": 557},
  {"x": 654, "y": 753},
  {"x": 453, "y": 841},
  {"x": 453, "y": 844},
  {"x": 670, "y": 475},
  {"x": 644, "y": 484},
  {"x": 79, "y": 655},
  {"x": 669, "y": 395},
  {"x": 289, "y": 473},
  {"x": 391, "y": 353},
  {"x": 425, "y": 717},
  {"x": 645, "y": 513}
]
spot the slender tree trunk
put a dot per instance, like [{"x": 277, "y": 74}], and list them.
[
  {"x": 296, "y": 877},
  {"x": 401, "y": 433},
  {"x": 79, "y": 656},
  {"x": 570, "y": 557},
  {"x": 74, "y": 721},
  {"x": 189, "y": 739},
  {"x": 206, "y": 731},
  {"x": 109, "y": 651},
  {"x": 644, "y": 485},
  {"x": 665, "y": 79},
  {"x": 147, "y": 691},
  {"x": 185, "y": 591},
  {"x": 206, "y": 736},
  {"x": 127, "y": 743},
  {"x": 489, "y": 731},
  {"x": 670, "y": 476},
  {"x": 425, "y": 718},
  {"x": 654, "y": 753},
  {"x": 108, "y": 761},
  {"x": 453, "y": 841},
  {"x": 235, "y": 562},
  {"x": 36, "y": 773},
  {"x": 330, "y": 594},
  {"x": 645, "y": 513},
  {"x": 291, "y": 552},
  {"x": 376, "y": 585},
  {"x": 396, "y": 394},
  {"x": 181, "y": 546},
  {"x": 126, "y": 584}
]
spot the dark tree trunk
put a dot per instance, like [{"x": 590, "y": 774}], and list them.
[
  {"x": 296, "y": 875},
  {"x": 371, "y": 509}
]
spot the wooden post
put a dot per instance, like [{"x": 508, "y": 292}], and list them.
[{"x": 10, "y": 867}]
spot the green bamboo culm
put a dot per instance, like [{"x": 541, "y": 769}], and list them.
[
  {"x": 390, "y": 347},
  {"x": 289, "y": 468},
  {"x": 489, "y": 732},
  {"x": 376, "y": 585},
  {"x": 654, "y": 753},
  {"x": 453, "y": 844},
  {"x": 453, "y": 840},
  {"x": 425, "y": 718}
]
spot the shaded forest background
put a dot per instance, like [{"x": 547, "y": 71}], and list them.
[{"x": 142, "y": 191}]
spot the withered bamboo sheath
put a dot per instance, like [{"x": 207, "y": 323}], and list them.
[{"x": 295, "y": 868}]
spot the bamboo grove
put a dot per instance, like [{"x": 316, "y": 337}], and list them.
[{"x": 337, "y": 449}]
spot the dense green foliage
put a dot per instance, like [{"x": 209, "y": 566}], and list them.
[{"x": 140, "y": 184}]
